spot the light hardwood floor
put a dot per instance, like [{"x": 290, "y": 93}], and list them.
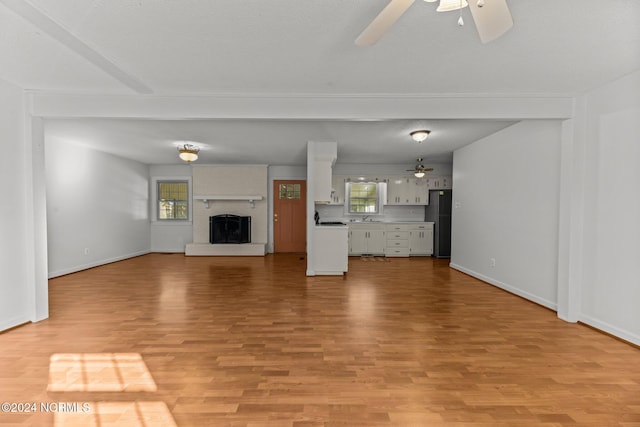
[{"x": 206, "y": 341}]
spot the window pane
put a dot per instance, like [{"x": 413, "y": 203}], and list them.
[
  {"x": 173, "y": 200},
  {"x": 289, "y": 191},
  {"x": 166, "y": 209},
  {"x": 363, "y": 198},
  {"x": 181, "y": 210}
]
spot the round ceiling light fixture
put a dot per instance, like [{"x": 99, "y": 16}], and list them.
[
  {"x": 420, "y": 135},
  {"x": 188, "y": 152}
]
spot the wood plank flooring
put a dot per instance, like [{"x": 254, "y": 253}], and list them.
[{"x": 213, "y": 341}]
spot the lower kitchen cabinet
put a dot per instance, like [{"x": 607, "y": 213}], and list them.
[
  {"x": 397, "y": 241},
  {"x": 367, "y": 239},
  {"x": 405, "y": 240},
  {"x": 391, "y": 239},
  {"x": 421, "y": 239}
]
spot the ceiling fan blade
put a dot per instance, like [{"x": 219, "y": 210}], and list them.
[
  {"x": 385, "y": 19},
  {"x": 492, "y": 20}
]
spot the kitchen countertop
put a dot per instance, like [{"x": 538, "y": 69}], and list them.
[{"x": 389, "y": 222}]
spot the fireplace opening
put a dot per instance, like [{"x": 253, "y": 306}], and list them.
[{"x": 229, "y": 229}]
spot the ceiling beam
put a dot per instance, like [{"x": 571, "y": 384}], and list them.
[
  {"x": 66, "y": 38},
  {"x": 320, "y": 107}
]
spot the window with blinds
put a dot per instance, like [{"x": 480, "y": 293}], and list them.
[
  {"x": 363, "y": 198},
  {"x": 173, "y": 200}
]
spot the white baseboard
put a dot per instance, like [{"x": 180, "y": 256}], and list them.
[
  {"x": 13, "y": 322},
  {"x": 610, "y": 329},
  {"x": 75, "y": 269},
  {"x": 587, "y": 320},
  {"x": 526, "y": 295}
]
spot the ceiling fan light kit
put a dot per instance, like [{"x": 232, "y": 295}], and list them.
[
  {"x": 188, "y": 152},
  {"x": 419, "y": 171},
  {"x": 448, "y": 5},
  {"x": 492, "y": 19}
]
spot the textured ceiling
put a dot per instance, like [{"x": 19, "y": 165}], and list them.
[{"x": 202, "y": 47}]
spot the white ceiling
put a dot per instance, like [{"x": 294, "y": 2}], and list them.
[{"x": 204, "y": 47}]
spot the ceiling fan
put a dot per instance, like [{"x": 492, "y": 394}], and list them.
[
  {"x": 419, "y": 170},
  {"x": 492, "y": 18}
]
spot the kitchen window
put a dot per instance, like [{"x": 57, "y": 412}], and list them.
[{"x": 364, "y": 197}]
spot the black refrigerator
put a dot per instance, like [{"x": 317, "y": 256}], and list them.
[{"x": 438, "y": 211}]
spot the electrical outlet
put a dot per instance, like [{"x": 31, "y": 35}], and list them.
[
  {"x": 86, "y": 251},
  {"x": 492, "y": 262}
]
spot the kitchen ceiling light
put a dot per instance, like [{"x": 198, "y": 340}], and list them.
[
  {"x": 418, "y": 174},
  {"x": 188, "y": 152},
  {"x": 420, "y": 135}
]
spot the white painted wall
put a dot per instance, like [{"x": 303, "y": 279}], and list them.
[
  {"x": 97, "y": 207},
  {"x": 610, "y": 264},
  {"x": 168, "y": 236},
  {"x": 15, "y": 277},
  {"x": 506, "y": 190}
]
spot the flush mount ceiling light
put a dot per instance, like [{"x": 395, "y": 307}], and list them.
[
  {"x": 188, "y": 152},
  {"x": 420, "y": 135}
]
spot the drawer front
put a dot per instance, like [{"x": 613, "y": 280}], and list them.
[
  {"x": 397, "y": 243},
  {"x": 420, "y": 227},
  {"x": 397, "y": 234},
  {"x": 366, "y": 226},
  {"x": 398, "y": 227},
  {"x": 390, "y": 252}
]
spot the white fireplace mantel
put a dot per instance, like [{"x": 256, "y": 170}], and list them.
[{"x": 207, "y": 199}]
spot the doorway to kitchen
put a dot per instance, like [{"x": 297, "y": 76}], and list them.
[{"x": 289, "y": 216}]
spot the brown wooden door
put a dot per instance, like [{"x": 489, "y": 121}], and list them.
[{"x": 289, "y": 216}]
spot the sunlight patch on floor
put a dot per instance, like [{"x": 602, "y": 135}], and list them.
[{"x": 99, "y": 372}]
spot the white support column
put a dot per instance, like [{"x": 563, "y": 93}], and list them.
[
  {"x": 571, "y": 216},
  {"x": 37, "y": 224}
]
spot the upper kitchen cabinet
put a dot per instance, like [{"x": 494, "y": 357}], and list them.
[
  {"x": 322, "y": 155},
  {"x": 407, "y": 191},
  {"x": 438, "y": 182},
  {"x": 338, "y": 183}
]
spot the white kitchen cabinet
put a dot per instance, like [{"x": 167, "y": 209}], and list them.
[
  {"x": 407, "y": 191},
  {"x": 397, "y": 190},
  {"x": 367, "y": 239},
  {"x": 338, "y": 183},
  {"x": 330, "y": 250},
  {"x": 397, "y": 241},
  {"x": 409, "y": 239},
  {"x": 419, "y": 191},
  {"x": 322, "y": 181},
  {"x": 438, "y": 182},
  {"x": 421, "y": 239}
]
